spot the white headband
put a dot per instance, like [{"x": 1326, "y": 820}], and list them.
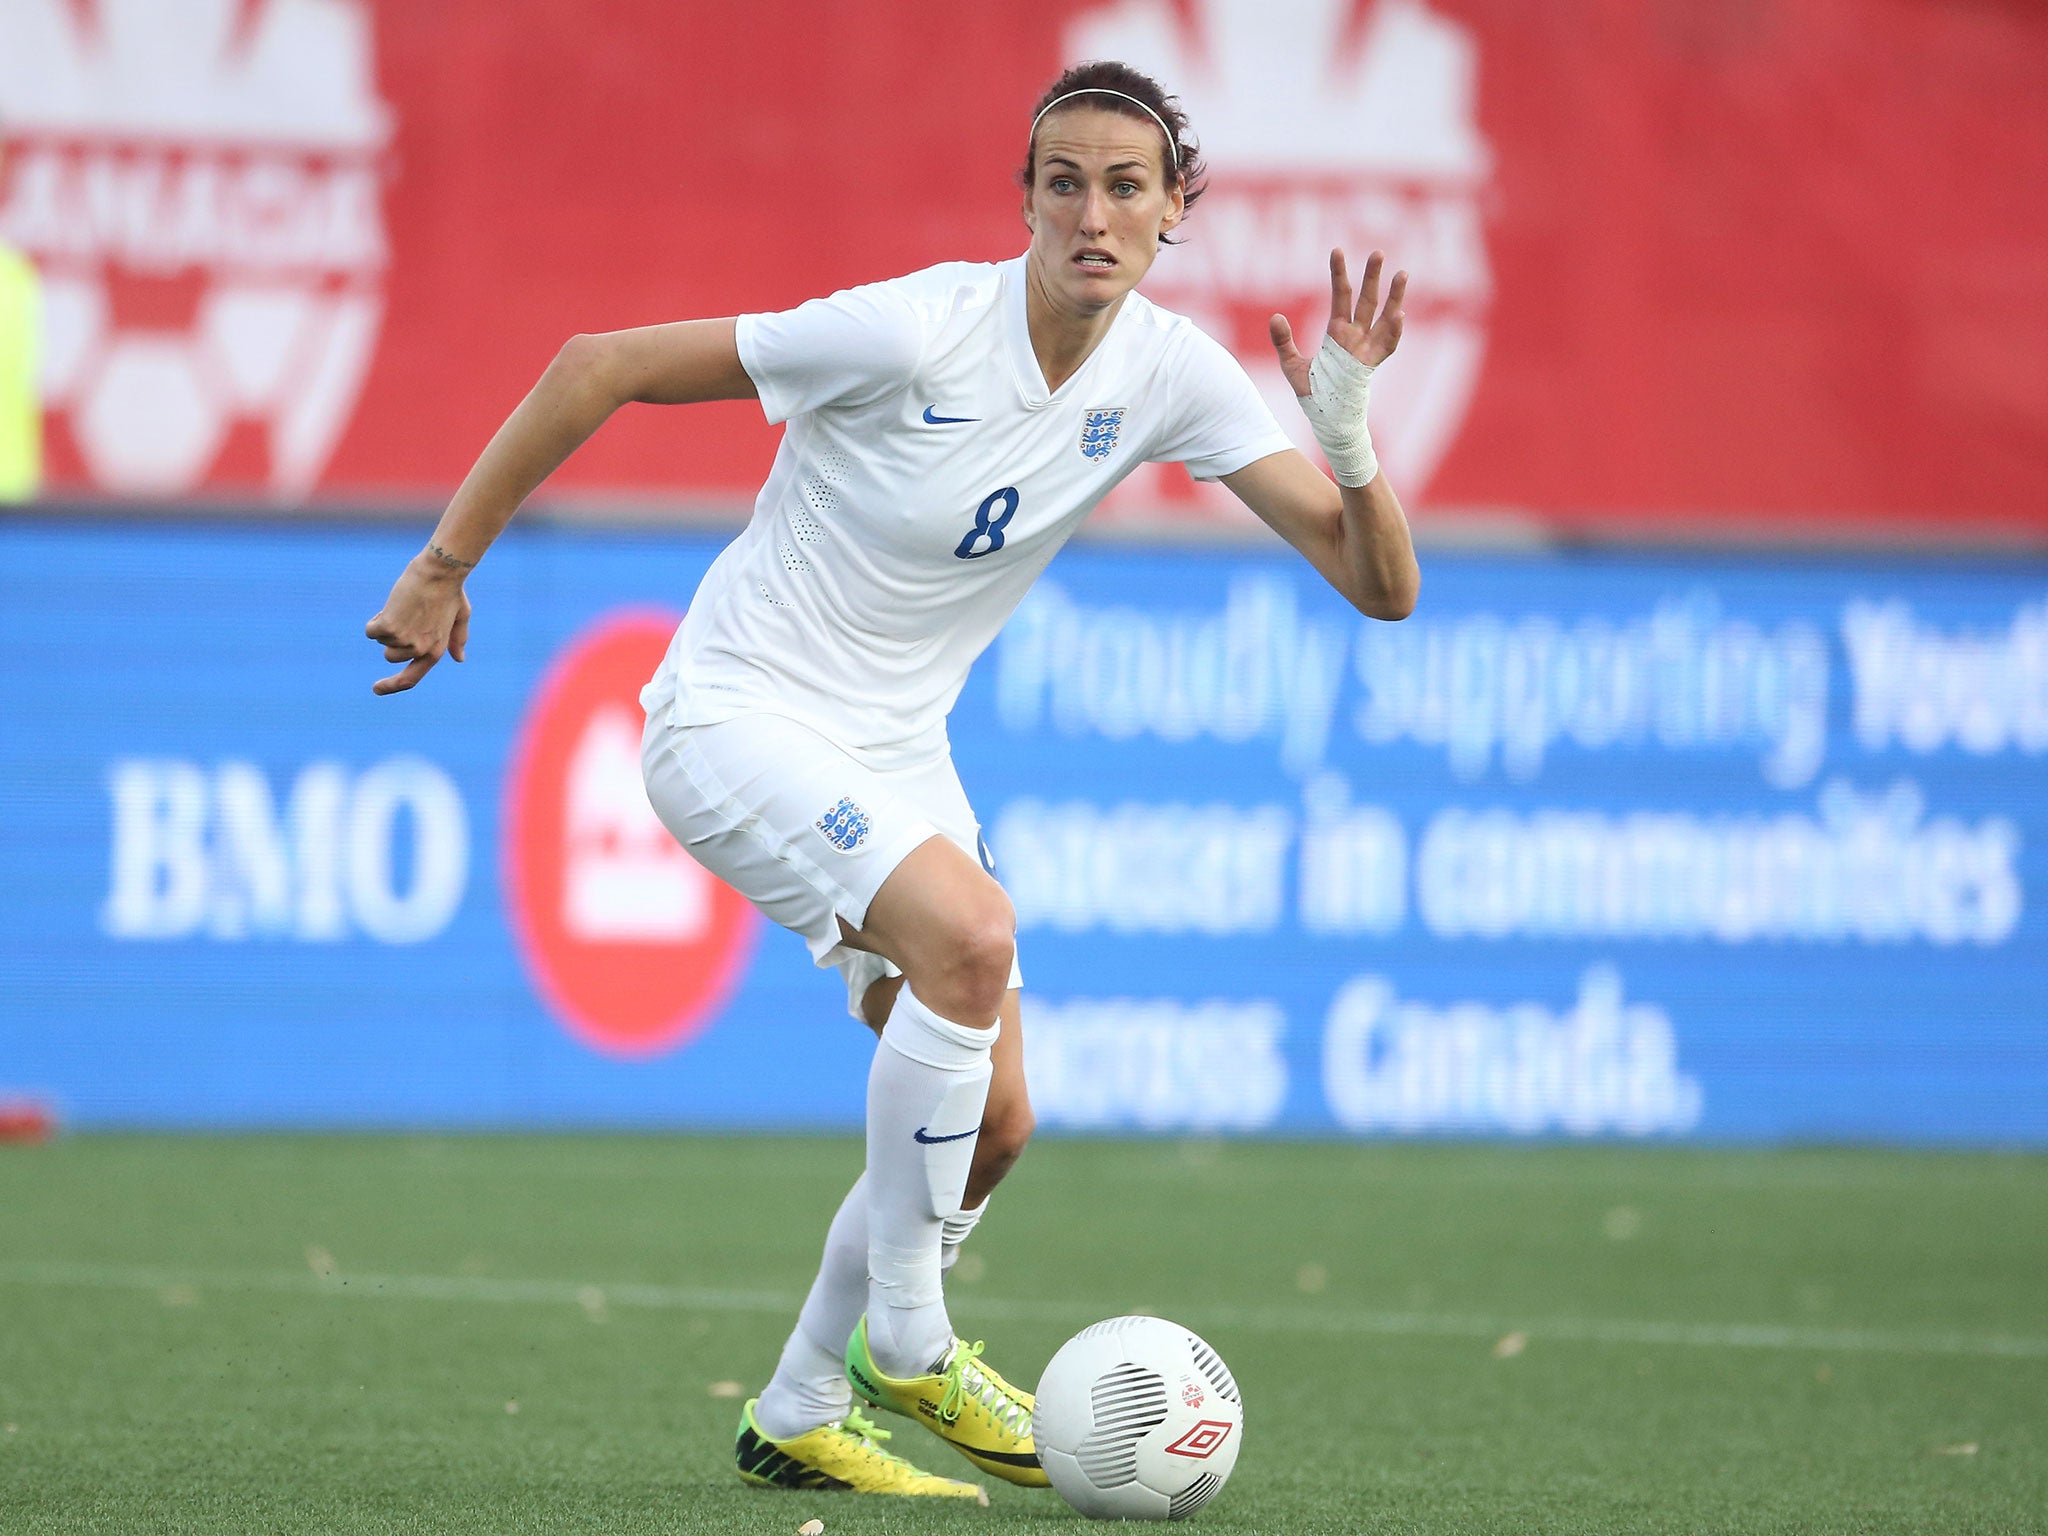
[{"x": 1172, "y": 148}]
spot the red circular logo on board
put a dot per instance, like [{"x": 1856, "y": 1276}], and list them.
[{"x": 632, "y": 943}]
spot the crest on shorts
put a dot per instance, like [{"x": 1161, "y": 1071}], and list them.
[
  {"x": 1099, "y": 429},
  {"x": 845, "y": 826}
]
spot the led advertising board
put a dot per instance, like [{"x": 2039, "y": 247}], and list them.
[{"x": 1592, "y": 845}]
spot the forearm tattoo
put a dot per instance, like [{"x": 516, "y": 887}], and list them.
[{"x": 453, "y": 562}]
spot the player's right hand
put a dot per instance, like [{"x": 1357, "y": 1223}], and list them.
[{"x": 425, "y": 618}]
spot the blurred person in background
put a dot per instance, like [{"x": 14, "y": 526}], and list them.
[
  {"x": 21, "y": 411},
  {"x": 947, "y": 431}
]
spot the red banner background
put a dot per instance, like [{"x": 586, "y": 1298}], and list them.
[{"x": 1775, "y": 263}]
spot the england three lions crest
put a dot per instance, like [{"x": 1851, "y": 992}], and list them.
[
  {"x": 845, "y": 826},
  {"x": 1099, "y": 430}
]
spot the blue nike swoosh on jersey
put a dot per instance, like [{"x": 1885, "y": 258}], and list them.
[
  {"x": 944, "y": 421},
  {"x": 933, "y": 1141}
]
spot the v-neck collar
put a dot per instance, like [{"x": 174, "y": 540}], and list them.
[{"x": 1023, "y": 360}]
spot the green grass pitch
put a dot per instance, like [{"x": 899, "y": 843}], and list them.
[{"x": 540, "y": 1334}]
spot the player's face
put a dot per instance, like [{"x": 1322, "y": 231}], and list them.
[{"x": 1100, "y": 198}]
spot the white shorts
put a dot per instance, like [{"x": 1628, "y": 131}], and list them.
[{"x": 799, "y": 827}]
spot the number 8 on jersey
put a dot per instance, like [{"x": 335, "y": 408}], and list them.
[{"x": 987, "y": 527}]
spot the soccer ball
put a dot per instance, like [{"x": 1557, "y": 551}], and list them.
[{"x": 1137, "y": 1419}]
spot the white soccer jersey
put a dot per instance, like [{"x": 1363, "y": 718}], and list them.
[{"x": 925, "y": 478}]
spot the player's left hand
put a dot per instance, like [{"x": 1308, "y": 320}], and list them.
[{"x": 1366, "y": 331}]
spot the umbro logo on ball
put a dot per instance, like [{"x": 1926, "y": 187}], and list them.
[{"x": 1201, "y": 1442}]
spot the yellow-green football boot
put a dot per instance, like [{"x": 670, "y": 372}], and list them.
[
  {"x": 845, "y": 1457},
  {"x": 965, "y": 1403}
]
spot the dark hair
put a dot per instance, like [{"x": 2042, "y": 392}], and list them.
[{"x": 1109, "y": 75}]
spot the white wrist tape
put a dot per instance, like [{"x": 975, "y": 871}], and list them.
[{"x": 1338, "y": 384}]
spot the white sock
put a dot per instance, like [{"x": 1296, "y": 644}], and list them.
[
  {"x": 926, "y": 1092},
  {"x": 954, "y": 1231},
  {"x": 809, "y": 1387}
]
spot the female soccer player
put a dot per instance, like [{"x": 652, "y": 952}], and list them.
[{"x": 946, "y": 432}]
